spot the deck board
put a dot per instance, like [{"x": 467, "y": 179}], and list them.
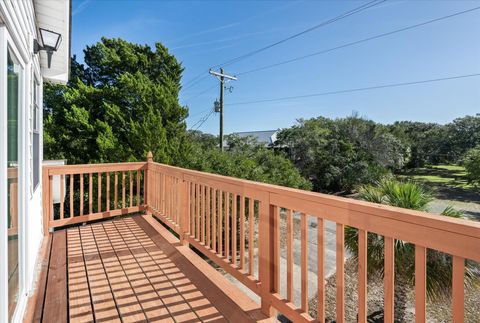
[
  {"x": 124, "y": 270},
  {"x": 56, "y": 301}
]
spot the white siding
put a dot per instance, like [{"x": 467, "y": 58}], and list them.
[{"x": 19, "y": 20}]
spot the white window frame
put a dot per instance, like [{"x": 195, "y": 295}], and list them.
[{"x": 36, "y": 126}]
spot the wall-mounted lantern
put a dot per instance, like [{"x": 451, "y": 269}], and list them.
[{"x": 50, "y": 43}]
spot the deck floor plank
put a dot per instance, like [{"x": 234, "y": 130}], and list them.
[
  {"x": 152, "y": 304},
  {"x": 127, "y": 302},
  {"x": 186, "y": 302},
  {"x": 123, "y": 270},
  {"x": 56, "y": 300},
  {"x": 80, "y": 302},
  {"x": 104, "y": 306}
]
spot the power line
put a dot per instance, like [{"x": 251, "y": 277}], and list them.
[
  {"x": 322, "y": 24},
  {"x": 203, "y": 120},
  {"x": 201, "y": 112},
  {"x": 357, "y": 89},
  {"x": 200, "y": 93},
  {"x": 200, "y": 120},
  {"x": 190, "y": 84},
  {"x": 195, "y": 80},
  {"x": 357, "y": 42}
]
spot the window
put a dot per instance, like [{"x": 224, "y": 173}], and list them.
[
  {"x": 14, "y": 165},
  {"x": 35, "y": 134}
]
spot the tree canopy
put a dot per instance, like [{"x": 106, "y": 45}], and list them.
[
  {"x": 338, "y": 155},
  {"x": 118, "y": 106}
]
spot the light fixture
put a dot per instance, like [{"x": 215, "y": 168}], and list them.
[{"x": 50, "y": 43}]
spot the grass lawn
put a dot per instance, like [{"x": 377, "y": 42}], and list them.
[{"x": 453, "y": 176}]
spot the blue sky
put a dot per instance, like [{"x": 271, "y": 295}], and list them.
[{"x": 202, "y": 34}]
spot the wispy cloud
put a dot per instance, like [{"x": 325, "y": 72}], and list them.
[
  {"x": 222, "y": 40},
  {"x": 234, "y": 24},
  {"x": 82, "y": 6}
]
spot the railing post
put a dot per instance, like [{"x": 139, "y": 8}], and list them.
[
  {"x": 46, "y": 199},
  {"x": 265, "y": 252},
  {"x": 147, "y": 183}
]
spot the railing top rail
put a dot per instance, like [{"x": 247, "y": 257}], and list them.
[
  {"x": 93, "y": 168},
  {"x": 300, "y": 197}
]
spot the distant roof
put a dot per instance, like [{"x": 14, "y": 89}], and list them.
[{"x": 267, "y": 137}]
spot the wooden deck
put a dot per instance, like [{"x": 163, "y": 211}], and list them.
[{"x": 133, "y": 270}]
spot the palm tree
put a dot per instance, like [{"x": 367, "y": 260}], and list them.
[{"x": 439, "y": 265}]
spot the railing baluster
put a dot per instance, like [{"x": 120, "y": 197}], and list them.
[
  {"x": 203, "y": 212},
  {"x": 167, "y": 196},
  {"x": 340, "y": 282},
  {"x": 214, "y": 219},
  {"x": 458, "y": 290},
  {"x": 50, "y": 204},
  {"x": 99, "y": 193},
  {"x": 389, "y": 280},
  {"x": 191, "y": 191},
  {"x": 220, "y": 223},
  {"x": 138, "y": 187},
  {"x": 320, "y": 270},
  {"x": 72, "y": 213},
  {"x": 227, "y": 225},
  {"x": 123, "y": 190},
  {"x": 276, "y": 249},
  {"x": 107, "y": 174},
  {"x": 420, "y": 283},
  {"x": 163, "y": 194},
  {"x": 242, "y": 232},
  {"x": 234, "y": 229},
  {"x": 197, "y": 214},
  {"x": 115, "y": 195},
  {"x": 81, "y": 194},
  {"x": 170, "y": 191},
  {"x": 90, "y": 193},
  {"x": 251, "y": 228},
  {"x": 157, "y": 193},
  {"x": 62, "y": 181},
  {"x": 146, "y": 176},
  {"x": 130, "y": 180},
  {"x": 208, "y": 217},
  {"x": 289, "y": 255},
  {"x": 362, "y": 276},
  {"x": 304, "y": 262}
]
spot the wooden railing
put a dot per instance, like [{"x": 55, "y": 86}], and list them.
[
  {"x": 92, "y": 192},
  {"x": 236, "y": 224}
]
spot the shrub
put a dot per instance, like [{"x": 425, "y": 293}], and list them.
[
  {"x": 390, "y": 191},
  {"x": 472, "y": 166}
]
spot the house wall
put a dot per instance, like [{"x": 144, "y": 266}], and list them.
[{"x": 18, "y": 29}]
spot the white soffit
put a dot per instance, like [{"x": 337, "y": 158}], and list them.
[{"x": 55, "y": 15}]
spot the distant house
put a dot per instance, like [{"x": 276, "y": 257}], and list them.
[{"x": 266, "y": 137}]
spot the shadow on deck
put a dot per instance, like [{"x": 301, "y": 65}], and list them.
[{"x": 133, "y": 270}]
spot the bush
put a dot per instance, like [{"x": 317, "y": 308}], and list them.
[
  {"x": 245, "y": 159},
  {"x": 472, "y": 166},
  {"x": 392, "y": 192}
]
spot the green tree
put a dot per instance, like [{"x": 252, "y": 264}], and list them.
[
  {"x": 243, "y": 158},
  {"x": 120, "y": 105},
  {"x": 337, "y": 155},
  {"x": 472, "y": 165}
]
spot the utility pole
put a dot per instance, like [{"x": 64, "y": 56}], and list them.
[{"x": 222, "y": 76}]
